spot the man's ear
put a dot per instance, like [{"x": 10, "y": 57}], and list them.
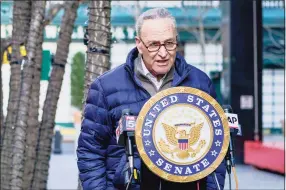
[{"x": 138, "y": 44}]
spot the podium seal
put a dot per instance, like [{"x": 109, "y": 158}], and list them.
[{"x": 182, "y": 134}]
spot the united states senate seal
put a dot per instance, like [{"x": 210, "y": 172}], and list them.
[{"x": 182, "y": 134}]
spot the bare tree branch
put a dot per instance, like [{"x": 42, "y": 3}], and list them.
[
  {"x": 271, "y": 37},
  {"x": 215, "y": 37},
  {"x": 55, "y": 9},
  {"x": 52, "y": 12},
  {"x": 192, "y": 30},
  {"x": 199, "y": 32},
  {"x": 203, "y": 11}
]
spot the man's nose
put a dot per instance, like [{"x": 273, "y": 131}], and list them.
[{"x": 163, "y": 51}]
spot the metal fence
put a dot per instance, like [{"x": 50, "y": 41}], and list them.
[{"x": 273, "y": 83}]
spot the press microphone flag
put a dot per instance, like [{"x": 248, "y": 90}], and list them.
[
  {"x": 232, "y": 120},
  {"x": 126, "y": 127}
]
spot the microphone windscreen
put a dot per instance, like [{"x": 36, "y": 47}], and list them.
[
  {"x": 126, "y": 111},
  {"x": 227, "y": 108}
]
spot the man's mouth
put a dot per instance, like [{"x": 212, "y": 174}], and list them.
[{"x": 162, "y": 61}]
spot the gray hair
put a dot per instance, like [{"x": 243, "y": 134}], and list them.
[{"x": 154, "y": 13}]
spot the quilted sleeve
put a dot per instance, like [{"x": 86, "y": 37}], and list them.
[{"x": 96, "y": 131}]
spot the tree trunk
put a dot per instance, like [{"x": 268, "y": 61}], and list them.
[
  {"x": 99, "y": 40},
  {"x": 50, "y": 105},
  {"x": 21, "y": 21},
  {"x": 98, "y": 53},
  {"x": 33, "y": 123},
  {"x": 18, "y": 152}
]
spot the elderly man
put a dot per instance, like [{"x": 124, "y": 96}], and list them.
[{"x": 153, "y": 65}]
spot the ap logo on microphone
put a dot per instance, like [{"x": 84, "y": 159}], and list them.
[{"x": 182, "y": 134}]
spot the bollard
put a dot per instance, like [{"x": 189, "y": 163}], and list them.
[{"x": 58, "y": 142}]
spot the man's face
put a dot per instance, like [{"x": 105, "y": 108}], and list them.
[{"x": 153, "y": 33}]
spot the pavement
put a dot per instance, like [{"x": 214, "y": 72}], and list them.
[{"x": 63, "y": 174}]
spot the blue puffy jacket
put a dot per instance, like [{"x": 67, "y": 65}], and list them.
[{"x": 100, "y": 159}]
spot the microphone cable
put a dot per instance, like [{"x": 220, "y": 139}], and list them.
[
  {"x": 235, "y": 178},
  {"x": 215, "y": 180},
  {"x": 130, "y": 179}
]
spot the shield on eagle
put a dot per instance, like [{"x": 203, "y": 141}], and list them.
[{"x": 183, "y": 144}]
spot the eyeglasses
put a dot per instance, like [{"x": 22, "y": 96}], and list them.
[{"x": 155, "y": 46}]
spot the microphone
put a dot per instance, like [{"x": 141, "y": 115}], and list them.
[
  {"x": 234, "y": 130},
  {"x": 125, "y": 133}
]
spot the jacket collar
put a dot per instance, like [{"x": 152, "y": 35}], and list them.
[{"x": 181, "y": 66}]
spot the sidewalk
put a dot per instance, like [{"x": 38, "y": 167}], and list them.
[
  {"x": 253, "y": 178},
  {"x": 63, "y": 174}
]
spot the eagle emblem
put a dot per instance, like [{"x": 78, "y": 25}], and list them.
[{"x": 180, "y": 142}]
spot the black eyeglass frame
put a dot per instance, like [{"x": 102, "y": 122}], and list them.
[{"x": 161, "y": 44}]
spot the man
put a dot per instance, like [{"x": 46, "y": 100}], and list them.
[{"x": 151, "y": 67}]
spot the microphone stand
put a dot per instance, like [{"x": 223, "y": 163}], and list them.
[
  {"x": 135, "y": 175},
  {"x": 230, "y": 162},
  {"x": 129, "y": 142},
  {"x": 129, "y": 154}
]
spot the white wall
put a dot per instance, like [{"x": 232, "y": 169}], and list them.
[
  {"x": 65, "y": 110},
  {"x": 5, "y": 82},
  {"x": 119, "y": 52},
  {"x": 273, "y": 83}
]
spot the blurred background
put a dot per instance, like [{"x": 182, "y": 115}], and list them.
[{"x": 239, "y": 44}]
